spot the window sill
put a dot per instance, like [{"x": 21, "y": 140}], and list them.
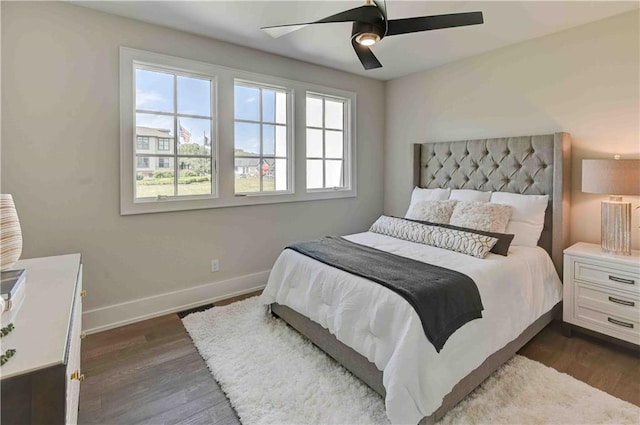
[{"x": 171, "y": 205}]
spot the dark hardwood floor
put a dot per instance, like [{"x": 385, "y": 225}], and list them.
[
  {"x": 150, "y": 372},
  {"x": 603, "y": 365}
]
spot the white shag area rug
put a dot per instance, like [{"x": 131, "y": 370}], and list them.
[{"x": 273, "y": 375}]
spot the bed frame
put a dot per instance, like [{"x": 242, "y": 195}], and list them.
[{"x": 536, "y": 165}]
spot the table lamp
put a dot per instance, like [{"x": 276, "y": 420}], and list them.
[
  {"x": 614, "y": 177},
  {"x": 10, "y": 233}
]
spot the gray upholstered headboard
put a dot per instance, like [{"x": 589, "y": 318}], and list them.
[{"x": 535, "y": 165}]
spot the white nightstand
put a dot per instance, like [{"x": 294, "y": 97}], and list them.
[{"x": 602, "y": 292}]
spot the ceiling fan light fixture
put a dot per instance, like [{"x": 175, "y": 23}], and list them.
[{"x": 367, "y": 38}]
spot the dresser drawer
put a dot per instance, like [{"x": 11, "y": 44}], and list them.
[
  {"x": 622, "y": 325},
  {"x": 616, "y": 279},
  {"x": 611, "y": 302}
]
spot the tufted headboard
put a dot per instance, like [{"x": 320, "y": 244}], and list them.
[{"x": 535, "y": 165}]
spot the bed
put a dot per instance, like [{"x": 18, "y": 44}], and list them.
[{"x": 376, "y": 335}]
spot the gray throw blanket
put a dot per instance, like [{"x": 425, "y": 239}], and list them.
[{"x": 444, "y": 299}]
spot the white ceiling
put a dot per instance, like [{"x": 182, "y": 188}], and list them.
[{"x": 239, "y": 22}]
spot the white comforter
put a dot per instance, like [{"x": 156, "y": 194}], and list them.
[{"x": 382, "y": 326}]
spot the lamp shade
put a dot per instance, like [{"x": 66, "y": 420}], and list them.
[
  {"x": 611, "y": 176},
  {"x": 10, "y": 233}
]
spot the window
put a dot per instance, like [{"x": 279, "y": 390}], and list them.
[
  {"x": 261, "y": 138},
  {"x": 142, "y": 143},
  {"x": 172, "y": 102},
  {"x": 169, "y": 142},
  {"x": 143, "y": 162},
  {"x": 326, "y": 142},
  {"x": 164, "y": 144}
]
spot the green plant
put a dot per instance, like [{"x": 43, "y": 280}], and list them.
[
  {"x": 197, "y": 179},
  {"x": 11, "y": 351},
  {"x": 6, "y": 356},
  {"x": 139, "y": 177},
  {"x": 159, "y": 174},
  {"x": 6, "y": 330}
]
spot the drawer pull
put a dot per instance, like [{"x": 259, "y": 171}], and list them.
[
  {"x": 621, "y": 280},
  {"x": 83, "y": 293},
  {"x": 623, "y": 302},
  {"x": 619, "y": 323},
  {"x": 77, "y": 376}
]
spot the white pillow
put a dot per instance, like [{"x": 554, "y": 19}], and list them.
[
  {"x": 527, "y": 219},
  {"x": 432, "y": 211},
  {"x": 420, "y": 194},
  {"x": 470, "y": 195},
  {"x": 481, "y": 216}
]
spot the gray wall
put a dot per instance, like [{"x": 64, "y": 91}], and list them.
[
  {"x": 585, "y": 81},
  {"x": 60, "y": 157}
]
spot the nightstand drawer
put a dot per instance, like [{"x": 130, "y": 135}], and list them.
[
  {"x": 620, "y": 324},
  {"x": 626, "y": 281},
  {"x": 621, "y": 305}
]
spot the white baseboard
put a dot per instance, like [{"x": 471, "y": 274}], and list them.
[{"x": 113, "y": 316}]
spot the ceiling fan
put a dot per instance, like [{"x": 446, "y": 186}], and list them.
[{"x": 370, "y": 25}]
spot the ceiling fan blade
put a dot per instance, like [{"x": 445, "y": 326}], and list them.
[
  {"x": 366, "y": 56},
  {"x": 281, "y": 30},
  {"x": 436, "y": 22},
  {"x": 366, "y": 14}
]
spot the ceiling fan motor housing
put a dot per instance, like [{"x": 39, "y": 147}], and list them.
[{"x": 360, "y": 28}]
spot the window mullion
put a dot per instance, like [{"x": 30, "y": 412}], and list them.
[
  {"x": 176, "y": 136},
  {"x": 261, "y": 140},
  {"x": 324, "y": 145}
]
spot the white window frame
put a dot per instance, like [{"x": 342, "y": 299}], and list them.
[
  {"x": 223, "y": 139},
  {"x": 176, "y": 115},
  {"x": 289, "y": 127},
  {"x": 346, "y": 140}
]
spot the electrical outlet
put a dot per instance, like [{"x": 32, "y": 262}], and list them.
[{"x": 215, "y": 265}]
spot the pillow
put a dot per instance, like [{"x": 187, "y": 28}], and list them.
[
  {"x": 454, "y": 240},
  {"x": 481, "y": 216},
  {"x": 527, "y": 220},
  {"x": 470, "y": 195},
  {"x": 420, "y": 194},
  {"x": 501, "y": 247},
  {"x": 434, "y": 211}
]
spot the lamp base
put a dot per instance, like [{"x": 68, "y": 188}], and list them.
[{"x": 616, "y": 226}]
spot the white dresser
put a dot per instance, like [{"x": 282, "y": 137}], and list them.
[
  {"x": 602, "y": 292},
  {"x": 41, "y": 383}
]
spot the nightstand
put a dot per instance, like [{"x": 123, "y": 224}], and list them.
[{"x": 602, "y": 293}]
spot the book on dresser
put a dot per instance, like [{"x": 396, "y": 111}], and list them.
[
  {"x": 12, "y": 290},
  {"x": 11, "y": 281}
]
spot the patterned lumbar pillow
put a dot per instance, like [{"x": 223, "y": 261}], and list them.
[
  {"x": 434, "y": 211},
  {"x": 501, "y": 247},
  {"x": 481, "y": 216},
  {"x": 441, "y": 237}
]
